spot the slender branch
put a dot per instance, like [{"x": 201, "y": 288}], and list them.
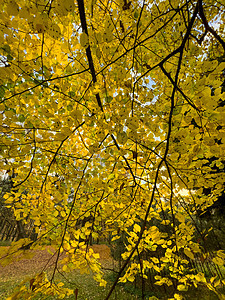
[
  {"x": 177, "y": 87},
  {"x": 31, "y": 164},
  {"x": 88, "y": 50},
  {"x": 67, "y": 221},
  {"x": 181, "y": 48},
  {"x": 207, "y": 27},
  {"x": 56, "y": 153}
]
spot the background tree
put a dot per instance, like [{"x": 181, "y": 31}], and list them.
[
  {"x": 10, "y": 229},
  {"x": 107, "y": 114}
]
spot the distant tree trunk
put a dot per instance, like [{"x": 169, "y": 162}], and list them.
[{"x": 21, "y": 230}]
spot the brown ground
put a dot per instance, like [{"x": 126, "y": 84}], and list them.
[{"x": 42, "y": 258}]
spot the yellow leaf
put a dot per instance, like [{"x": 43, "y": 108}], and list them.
[
  {"x": 116, "y": 237},
  {"x": 188, "y": 253},
  {"x": 218, "y": 260},
  {"x": 96, "y": 255},
  {"x": 122, "y": 137},
  {"x": 12, "y": 8},
  {"x": 200, "y": 277},
  {"x": 182, "y": 287},
  {"x": 216, "y": 283},
  {"x": 137, "y": 228},
  {"x": 84, "y": 40},
  {"x": 178, "y": 297},
  {"x": 63, "y": 214},
  {"x": 60, "y": 284},
  {"x": 54, "y": 31},
  {"x": 64, "y": 268},
  {"x": 131, "y": 278},
  {"x": 55, "y": 213},
  {"x": 161, "y": 282}
]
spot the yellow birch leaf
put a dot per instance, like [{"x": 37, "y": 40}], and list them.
[
  {"x": 188, "y": 253},
  {"x": 84, "y": 41},
  {"x": 218, "y": 260},
  {"x": 137, "y": 228}
]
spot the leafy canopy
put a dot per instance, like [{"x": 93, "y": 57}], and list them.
[{"x": 109, "y": 109}]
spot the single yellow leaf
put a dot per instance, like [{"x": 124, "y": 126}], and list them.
[
  {"x": 189, "y": 253},
  {"x": 84, "y": 41}
]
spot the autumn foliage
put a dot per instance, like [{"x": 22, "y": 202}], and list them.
[{"x": 112, "y": 122}]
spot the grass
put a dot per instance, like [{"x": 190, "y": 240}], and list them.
[
  {"x": 5, "y": 243},
  {"x": 88, "y": 288},
  {"x": 7, "y": 286}
]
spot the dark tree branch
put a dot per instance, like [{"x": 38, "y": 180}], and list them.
[
  {"x": 88, "y": 50},
  {"x": 56, "y": 153},
  {"x": 31, "y": 163},
  {"x": 180, "y": 49},
  {"x": 207, "y": 27}
]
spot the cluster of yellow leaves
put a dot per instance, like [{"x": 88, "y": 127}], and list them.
[
  {"x": 102, "y": 125},
  {"x": 38, "y": 285}
]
